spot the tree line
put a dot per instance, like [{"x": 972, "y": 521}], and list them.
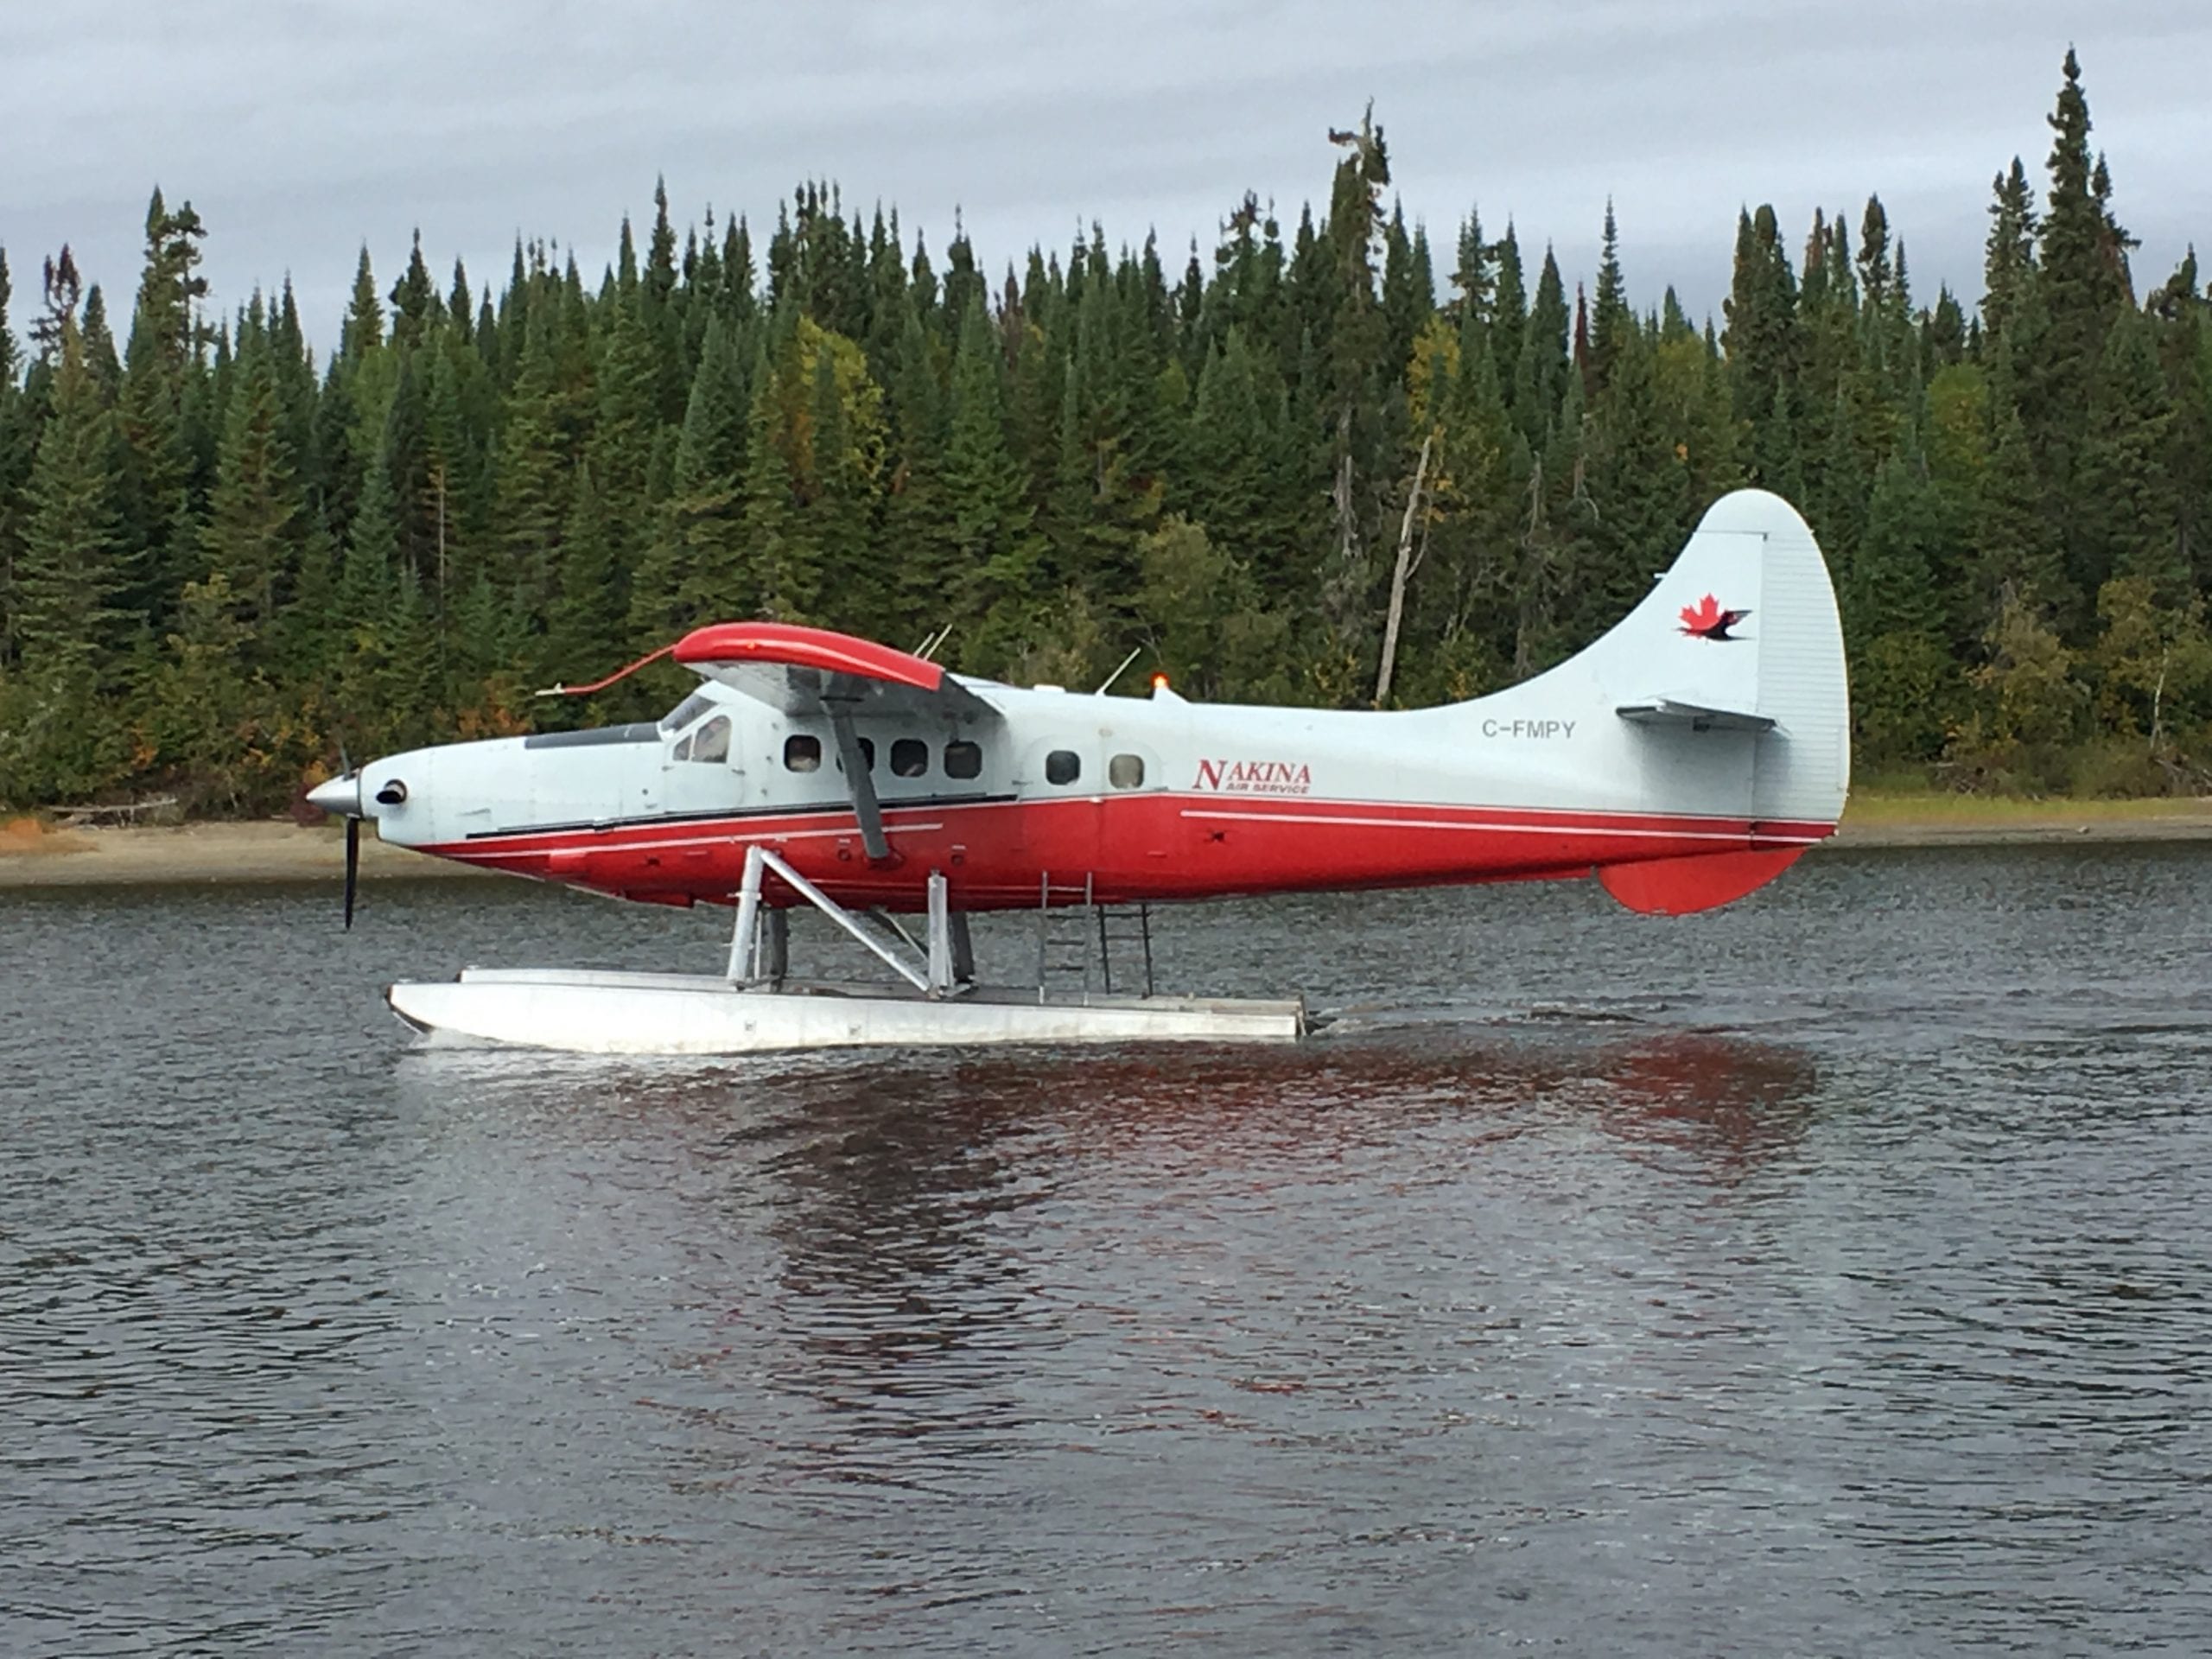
[{"x": 1306, "y": 468}]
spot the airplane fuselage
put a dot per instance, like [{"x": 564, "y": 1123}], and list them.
[
  {"x": 1130, "y": 799},
  {"x": 1686, "y": 756}
]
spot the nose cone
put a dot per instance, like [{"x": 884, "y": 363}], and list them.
[{"x": 341, "y": 796}]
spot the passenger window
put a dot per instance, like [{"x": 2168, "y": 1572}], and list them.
[
  {"x": 683, "y": 749},
  {"x": 1063, "y": 767},
  {"x": 868, "y": 753},
  {"x": 910, "y": 758},
  {"x": 712, "y": 741},
  {"x": 963, "y": 759},
  {"x": 1125, "y": 772},
  {"x": 802, "y": 752}
]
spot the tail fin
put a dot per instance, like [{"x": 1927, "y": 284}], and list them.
[
  {"x": 1743, "y": 627},
  {"x": 1721, "y": 695}
]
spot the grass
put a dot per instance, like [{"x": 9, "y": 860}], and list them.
[{"x": 1882, "y": 805}]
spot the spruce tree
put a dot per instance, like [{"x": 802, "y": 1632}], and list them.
[
  {"x": 998, "y": 554},
  {"x": 917, "y": 527},
  {"x": 161, "y": 359},
  {"x": 786, "y": 574},
  {"x": 2125, "y": 522},
  {"x": 363, "y": 331},
  {"x": 72, "y": 573},
  {"x": 2010, "y": 259},
  {"x": 695, "y": 570},
  {"x": 1611, "y": 320},
  {"x": 584, "y": 622},
  {"x": 254, "y": 514},
  {"x": 1509, "y": 316},
  {"x": 2018, "y": 555},
  {"x": 1541, "y": 378},
  {"x": 414, "y": 300},
  {"x": 1761, "y": 339},
  {"x": 2078, "y": 291},
  {"x": 18, "y": 441},
  {"x": 845, "y": 456}
]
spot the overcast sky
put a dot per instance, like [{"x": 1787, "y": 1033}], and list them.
[{"x": 302, "y": 128}]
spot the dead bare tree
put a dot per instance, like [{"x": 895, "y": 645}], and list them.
[{"x": 1403, "y": 572}]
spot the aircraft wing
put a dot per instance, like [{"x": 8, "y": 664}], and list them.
[
  {"x": 798, "y": 671},
  {"x": 1666, "y": 711}
]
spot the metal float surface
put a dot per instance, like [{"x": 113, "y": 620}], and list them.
[{"x": 586, "y": 1012}]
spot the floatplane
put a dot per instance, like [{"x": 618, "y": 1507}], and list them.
[{"x": 1686, "y": 758}]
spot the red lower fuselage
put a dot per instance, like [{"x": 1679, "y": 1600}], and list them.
[{"x": 1154, "y": 847}]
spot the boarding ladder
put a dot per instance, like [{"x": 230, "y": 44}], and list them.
[{"x": 1075, "y": 935}]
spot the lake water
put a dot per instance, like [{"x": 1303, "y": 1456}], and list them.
[{"x": 1828, "y": 1275}]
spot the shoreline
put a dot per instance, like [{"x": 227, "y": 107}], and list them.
[{"x": 277, "y": 850}]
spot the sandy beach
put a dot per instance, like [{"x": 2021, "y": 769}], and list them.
[{"x": 278, "y": 850}]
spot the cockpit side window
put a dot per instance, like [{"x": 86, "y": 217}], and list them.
[
  {"x": 686, "y": 711},
  {"x": 711, "y": 741}
]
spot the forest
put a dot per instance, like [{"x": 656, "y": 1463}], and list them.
[{"x": 222, "y": 561}]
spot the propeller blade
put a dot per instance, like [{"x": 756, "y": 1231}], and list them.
[{"x": 352, "y": 864}]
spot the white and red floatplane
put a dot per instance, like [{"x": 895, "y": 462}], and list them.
[{"x": 1686, "y": 758}]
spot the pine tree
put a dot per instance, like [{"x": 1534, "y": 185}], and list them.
[
  {"x": 2078, "y": 290},
  {"x": 845, "y": 456},
  {"x": 254, "y": 515},
  {"x": 1541, "y": 378},
  {"x": 161, "y": 359},
  {"x": 1639, "y": 482},
  {"x": 414, "y": 300},
  {"x": 1231, "y": 479},
  {"x": 18, "y": 441},
  {"x": 363, "y": 332},
  {"x": 2018, "y": 556},
  {"x": 2009, "y": 261},
  {"x": 695, "y": 570},
  {"x": 584, "y": 623},
  {"x": 71, "y": 574},
  {"x": 1761, "y": 338},
  {"x": 1508, "y": 315},
  {"x": 786, "y": 571},
  {"x": 998, "y": 555},
  {"x": 918, "y": 524},
  {"x": 535, "y": 463},
  {"x": 2125, "y": 521},
  {"x": 1472, "y": 278},
  {"x": 100, "y": 356},
  {"x": 1610, "y": 320}
]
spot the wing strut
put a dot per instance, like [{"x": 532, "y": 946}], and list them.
[{"x": 866, "y": 807}]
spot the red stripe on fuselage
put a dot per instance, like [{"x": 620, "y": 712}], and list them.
[{"x": 1154, "y": 846}]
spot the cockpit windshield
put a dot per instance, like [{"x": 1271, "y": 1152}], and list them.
[{"x": 685, "y": 712}]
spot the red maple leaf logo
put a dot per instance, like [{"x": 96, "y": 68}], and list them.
[{"x": 1707, "y": 620}]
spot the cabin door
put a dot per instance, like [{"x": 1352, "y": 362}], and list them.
[
  {"x": 702, "y": 769},
  {"x": 1058, "y": 781}
]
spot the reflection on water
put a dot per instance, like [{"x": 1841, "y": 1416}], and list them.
[{"x": 1821, "y": 1276}]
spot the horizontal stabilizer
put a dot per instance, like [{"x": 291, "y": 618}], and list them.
[{"x": 1665, "y": 711}]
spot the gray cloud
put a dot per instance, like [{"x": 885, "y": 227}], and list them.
[{"x": 301, "y": 130}]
